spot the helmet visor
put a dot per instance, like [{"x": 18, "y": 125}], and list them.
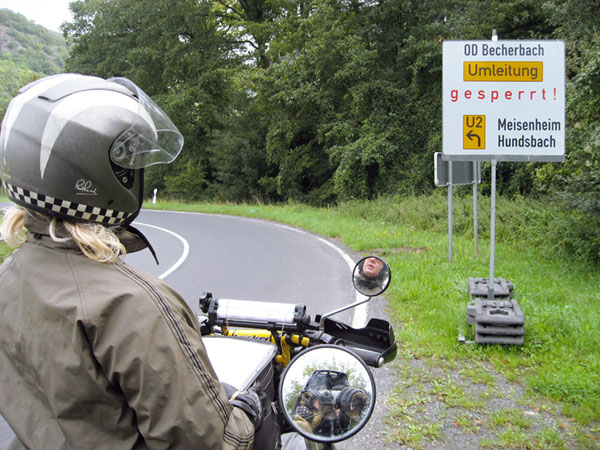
[{"x": 152, "y": 139}]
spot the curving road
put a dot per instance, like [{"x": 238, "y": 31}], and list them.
[{"x": 243, "y": 258}]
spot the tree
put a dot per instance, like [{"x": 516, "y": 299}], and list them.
[
  {"x": 306, "y": 91},
  {"x": 385, "y": 98},
  {"x": 326, "y": 100},
  {"x": 252, "y": 25},
  {"x": 237, "y": 150},
  {"x": 174, "y": 52},
  {"x": 27, "y": 52},
  {"x": 578, "y": 178}
]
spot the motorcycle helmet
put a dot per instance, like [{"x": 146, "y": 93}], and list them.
[{"x": 74, "y": 147}]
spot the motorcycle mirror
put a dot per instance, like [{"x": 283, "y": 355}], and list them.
[
  {"x": 327, "y": 393},
  {"x": 371, "y": 276}
]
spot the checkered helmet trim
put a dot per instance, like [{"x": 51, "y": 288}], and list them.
[{"x": 56, "y": 206}]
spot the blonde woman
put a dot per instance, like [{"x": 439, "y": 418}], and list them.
[{"x": 93, "y": 353}]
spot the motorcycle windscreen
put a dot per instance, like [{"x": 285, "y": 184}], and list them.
[{"x": 239, "y": 361}]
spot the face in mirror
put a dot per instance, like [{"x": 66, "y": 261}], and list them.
[
  {"x": 371, "y": 276},
  {"x": 327, "y": 393}
]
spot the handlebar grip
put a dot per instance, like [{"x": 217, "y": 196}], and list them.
[{"x": 371, "y": 358}]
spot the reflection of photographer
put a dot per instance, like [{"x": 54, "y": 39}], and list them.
[
  {"x": 311, "y": 407},
  {"x": 350, "y": 406},
  {"x": 371, "y": 275},
  {"x": 318, "y": 413},
  {"x": 327, "y": 394}
]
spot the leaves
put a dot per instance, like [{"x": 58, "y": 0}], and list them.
[{"x": 27, "y": 52}]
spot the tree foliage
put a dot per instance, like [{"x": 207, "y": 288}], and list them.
[
  {"x": 27, "y": 52},
  {"x": 174, "y": 51},
  {"x": 578, "y": 179}
]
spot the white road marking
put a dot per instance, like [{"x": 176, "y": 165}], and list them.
[
  {"x": 184, "y": 254},
  {"x": 359, "y": 319}
]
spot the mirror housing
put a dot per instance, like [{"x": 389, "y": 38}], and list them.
[
  {"x": 371, "y": 276},
  {"x": 327, "y": 394}
]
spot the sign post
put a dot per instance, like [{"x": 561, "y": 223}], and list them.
[
  {"x": 492, "y": 232},
  {"x": 450, "y": 173},
  {"x": 503, "y": 101},
  {"x": 476, "y": 174},
  {"x": 450, "y": 215}
]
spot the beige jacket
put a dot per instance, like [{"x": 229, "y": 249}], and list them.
[{"x": 101, "y": 356}]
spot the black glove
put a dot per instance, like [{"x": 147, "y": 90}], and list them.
[
  {"x": 305, "y": 413},
  {"x": 256, "y": 404},
  {"x": 251, "y": 402}
]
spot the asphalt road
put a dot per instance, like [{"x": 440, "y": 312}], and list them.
[{"x": 243, "y": 259}]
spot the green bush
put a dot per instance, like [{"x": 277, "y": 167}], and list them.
[{"x": 539, "y": 223}]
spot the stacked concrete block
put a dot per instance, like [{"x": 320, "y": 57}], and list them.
[
  {"x": 498, "y": 320},
  {"x": 479, "y": 288}
]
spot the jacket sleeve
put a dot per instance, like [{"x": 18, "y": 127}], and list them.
[{"x": 147, "y": 342}]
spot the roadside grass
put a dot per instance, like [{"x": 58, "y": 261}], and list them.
[
  {"x": 560, "y": 296},
  {"x": 4, "y": 250}
]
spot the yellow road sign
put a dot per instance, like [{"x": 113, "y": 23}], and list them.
[
  {"x": 474, "y": 132},
  {"x": 524, "y": 71}
]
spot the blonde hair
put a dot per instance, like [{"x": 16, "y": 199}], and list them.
[
  {"x": 96, "y": 241},
  {"x": 12, "y": 227}
]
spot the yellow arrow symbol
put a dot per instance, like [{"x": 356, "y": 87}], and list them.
[{"x": 474, "y": 132}]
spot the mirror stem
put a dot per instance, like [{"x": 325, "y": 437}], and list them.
[{"x": 339, "y": 310}]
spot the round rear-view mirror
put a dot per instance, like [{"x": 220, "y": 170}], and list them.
[
  {"x": 327, "y": 394},
  {"x": 371, "y": 276}
]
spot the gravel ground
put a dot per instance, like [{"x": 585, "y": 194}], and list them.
[{"x": 441, "y": 405}]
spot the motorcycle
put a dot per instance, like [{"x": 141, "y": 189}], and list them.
[{"x": 315, "y": 373}]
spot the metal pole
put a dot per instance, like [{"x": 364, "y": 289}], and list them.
[
  {"x": 493, "y": 218},
  {"x": 450, "y": 211},
  {"x": 475, "y": 212},
  {"x": 492, "y": 232}
]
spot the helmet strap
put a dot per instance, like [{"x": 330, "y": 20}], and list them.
[{"x": 139, "y": 234}]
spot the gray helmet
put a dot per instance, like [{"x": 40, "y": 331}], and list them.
[{"x": 74, "y": 147}]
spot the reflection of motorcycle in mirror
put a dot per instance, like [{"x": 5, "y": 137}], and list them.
[{"x": 314, "y": 372}]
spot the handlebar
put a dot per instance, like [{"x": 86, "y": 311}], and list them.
[
  {"x": 374, "y": 344},
  {"x": 291, "y": 328}
]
